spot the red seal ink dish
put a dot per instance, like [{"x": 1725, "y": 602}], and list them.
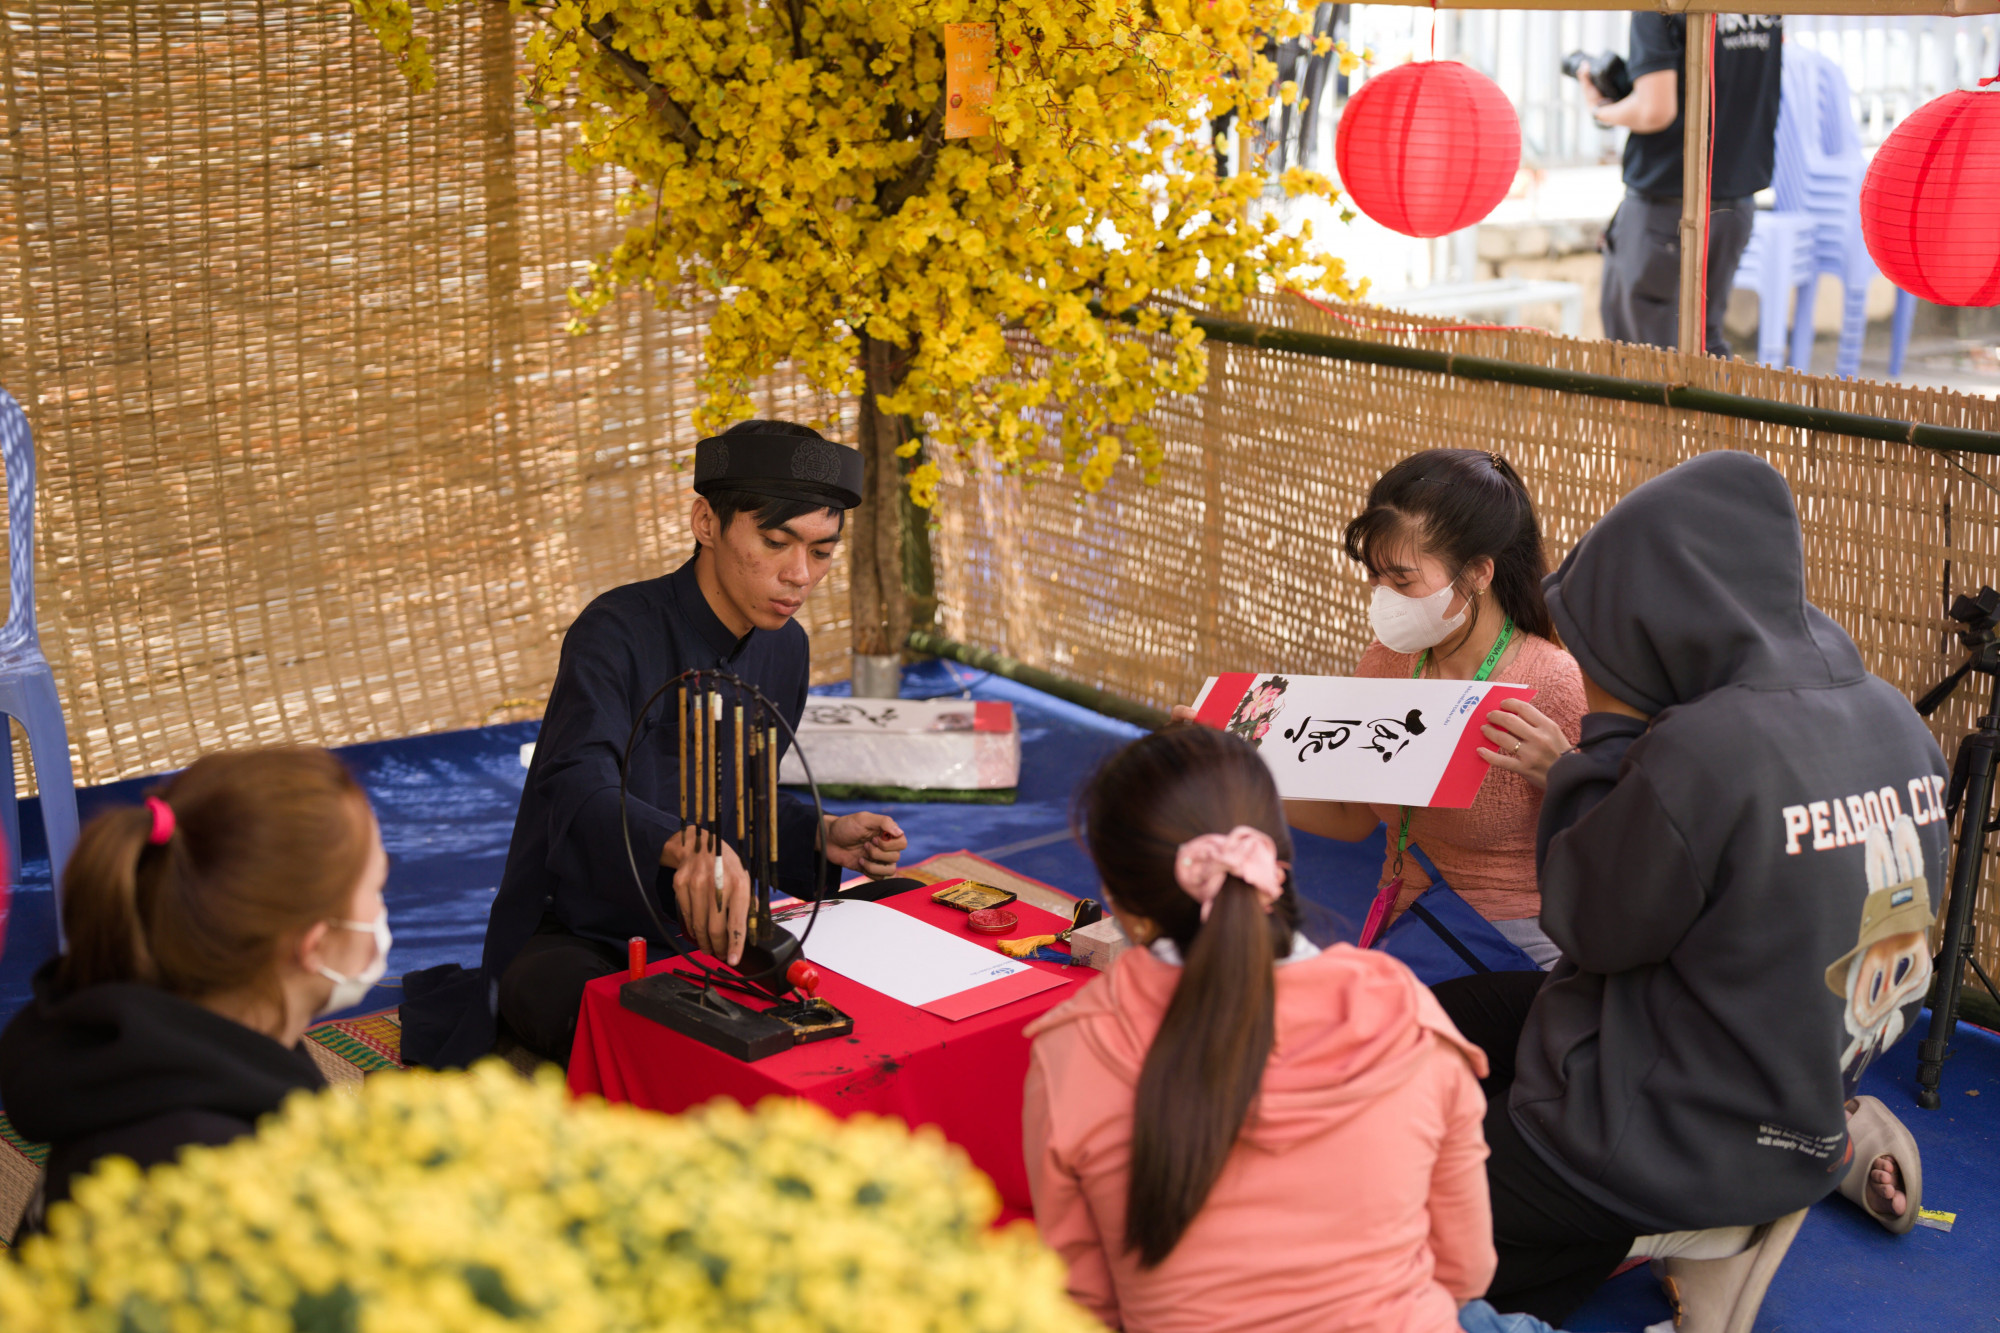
[{"x": 992, "y": 921}]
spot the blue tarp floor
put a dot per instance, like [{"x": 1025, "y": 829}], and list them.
[{"x": 446, "y": 805}]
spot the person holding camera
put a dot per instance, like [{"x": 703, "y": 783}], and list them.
[{"x": 1642, "y": 251}]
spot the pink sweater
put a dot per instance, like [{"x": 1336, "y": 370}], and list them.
[
  {"x": 1355, "y": 1199},
  {"x": 1487, "y": 853}
]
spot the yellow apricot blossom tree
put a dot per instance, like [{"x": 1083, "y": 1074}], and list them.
[{"x": 1016, "y": 296}]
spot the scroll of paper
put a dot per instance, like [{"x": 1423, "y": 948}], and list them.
[{"x": 1384, "y": 741}]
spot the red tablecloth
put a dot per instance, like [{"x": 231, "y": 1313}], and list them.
[{"x": 963, "y": 1077}]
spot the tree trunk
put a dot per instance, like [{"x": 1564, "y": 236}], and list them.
[{"x": 881, "y": 608}]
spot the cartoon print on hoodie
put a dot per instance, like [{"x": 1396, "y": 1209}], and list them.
[{"x": 1890, "y": 964}]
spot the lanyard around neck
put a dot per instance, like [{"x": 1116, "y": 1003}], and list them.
[{"x": 1500, "y": 643}]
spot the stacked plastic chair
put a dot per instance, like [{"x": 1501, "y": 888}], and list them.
[
  {"x": 1819, "y": 174},
  {"x": 27, "y": 686},
  {"x": 1777, "y": 262}
]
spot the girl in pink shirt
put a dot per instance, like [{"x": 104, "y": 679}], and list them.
[
  {"x": 1451, "y": 543},
  {"x": 1233, "y": 1129}
]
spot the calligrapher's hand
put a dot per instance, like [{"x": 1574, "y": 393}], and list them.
[
  {"x": 867, "y": 842},
  {"x": 715, "y": 919},
  {"x": 1525, "y": 741}
]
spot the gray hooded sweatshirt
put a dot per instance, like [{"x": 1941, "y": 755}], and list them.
[{"x": 1708, "y": 875}]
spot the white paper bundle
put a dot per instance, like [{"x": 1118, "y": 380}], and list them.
[{"x": 937, "y": 744}]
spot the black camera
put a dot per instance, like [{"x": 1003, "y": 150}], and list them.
[
  {"x": 1607, "y": 73},
  {"x": 1980, "y": 615}
]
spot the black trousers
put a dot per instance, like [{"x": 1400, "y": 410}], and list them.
[
  {"x": 1641, "y": 300},
  {"x": 542, "y": 989},
  {"x": 1555, "y": 1246}
]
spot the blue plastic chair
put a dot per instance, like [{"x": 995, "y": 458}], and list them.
[
  {"x": 1777, "y": 262},
  {"x": 1819, "y": 172},
  {"x": 27, "y": 686}
]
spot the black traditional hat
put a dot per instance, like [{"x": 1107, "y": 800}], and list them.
[{"x": 805, "y": 468}]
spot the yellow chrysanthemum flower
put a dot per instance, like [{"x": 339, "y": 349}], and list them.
[{"x": 481, "y": 1202}]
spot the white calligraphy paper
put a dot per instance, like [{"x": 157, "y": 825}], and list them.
[
  {"x": 1384, "y": 741},
  {"x": 895, "y": 953}
]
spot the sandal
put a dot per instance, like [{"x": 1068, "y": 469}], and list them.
[
  {"x": 1877, "y": 1132},
  {"x": 1724, "y": 1295}
]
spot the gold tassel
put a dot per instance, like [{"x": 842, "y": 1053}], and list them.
[{"x": 1023, "y": 947}]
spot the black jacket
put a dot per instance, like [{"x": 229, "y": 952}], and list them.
[
  {"x": 126, "y": 1068},
  {"x": 1686, "y": 1062},
  {"x": 568, "y": 859}
]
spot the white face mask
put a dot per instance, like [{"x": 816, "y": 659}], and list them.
[
  {"x": 1412, "y": 624},
  {"x": 350, "y": 991}
]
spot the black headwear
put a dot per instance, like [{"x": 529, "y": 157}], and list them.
[{"x": 805, "y": 468}]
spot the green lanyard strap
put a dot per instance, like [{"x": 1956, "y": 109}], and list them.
[{"x": 1506, "y": 637}]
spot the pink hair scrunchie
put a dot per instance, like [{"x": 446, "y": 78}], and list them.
[
  {"x": 163, "y": 821},
  {"x": 1203, "y": 863}
]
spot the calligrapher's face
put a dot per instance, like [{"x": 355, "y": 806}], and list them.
[{"x": 767, "y": 572}]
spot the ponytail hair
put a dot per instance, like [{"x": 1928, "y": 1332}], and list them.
[
  {"x": 1459, "y": 505},
  {"x": 261, "y": 845},
  {"x": 1206, "y": 1064}
]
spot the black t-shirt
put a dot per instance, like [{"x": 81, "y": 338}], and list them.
[{"x": 1748, "y": 62}]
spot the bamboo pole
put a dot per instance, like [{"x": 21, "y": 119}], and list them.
[
  {"x": 1698, "y": 116},
  {"x": 1742, "y": 407}
]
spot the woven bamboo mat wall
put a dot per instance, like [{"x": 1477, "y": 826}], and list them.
[
  {"x": 1233, "y": 563},
  {"x": 318, "y": 462}
]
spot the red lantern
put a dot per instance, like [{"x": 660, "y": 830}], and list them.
[
  {"x": 1930, "y": 207},
  {"x": 1428, "y": 148}
]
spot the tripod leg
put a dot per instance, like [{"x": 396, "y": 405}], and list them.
[
  {"x": 1973, "y": 962},
  {"x": 1974, "y": 812}
]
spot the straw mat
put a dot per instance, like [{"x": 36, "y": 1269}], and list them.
[{"x": 318, "y": 462}]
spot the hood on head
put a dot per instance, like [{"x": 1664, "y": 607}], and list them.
[
  {"x": 1352, "y": 1025},
  {"x": 1694, "y": 581}
]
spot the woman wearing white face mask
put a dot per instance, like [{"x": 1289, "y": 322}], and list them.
[
  {"x": 1451, "y": 542},
  {"x": 207, "y": 928}
]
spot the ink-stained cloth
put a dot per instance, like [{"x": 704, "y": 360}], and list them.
[
  {"x": 963, "y": 1077},
  {"x": 1486, "y": 852}
]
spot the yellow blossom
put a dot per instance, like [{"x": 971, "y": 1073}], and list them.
[
  {"x": 480, "y": 1202},
  {"x": 798, "y": 181}
]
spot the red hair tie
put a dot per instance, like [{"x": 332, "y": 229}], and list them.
[{"x": 163, "y": 821}]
